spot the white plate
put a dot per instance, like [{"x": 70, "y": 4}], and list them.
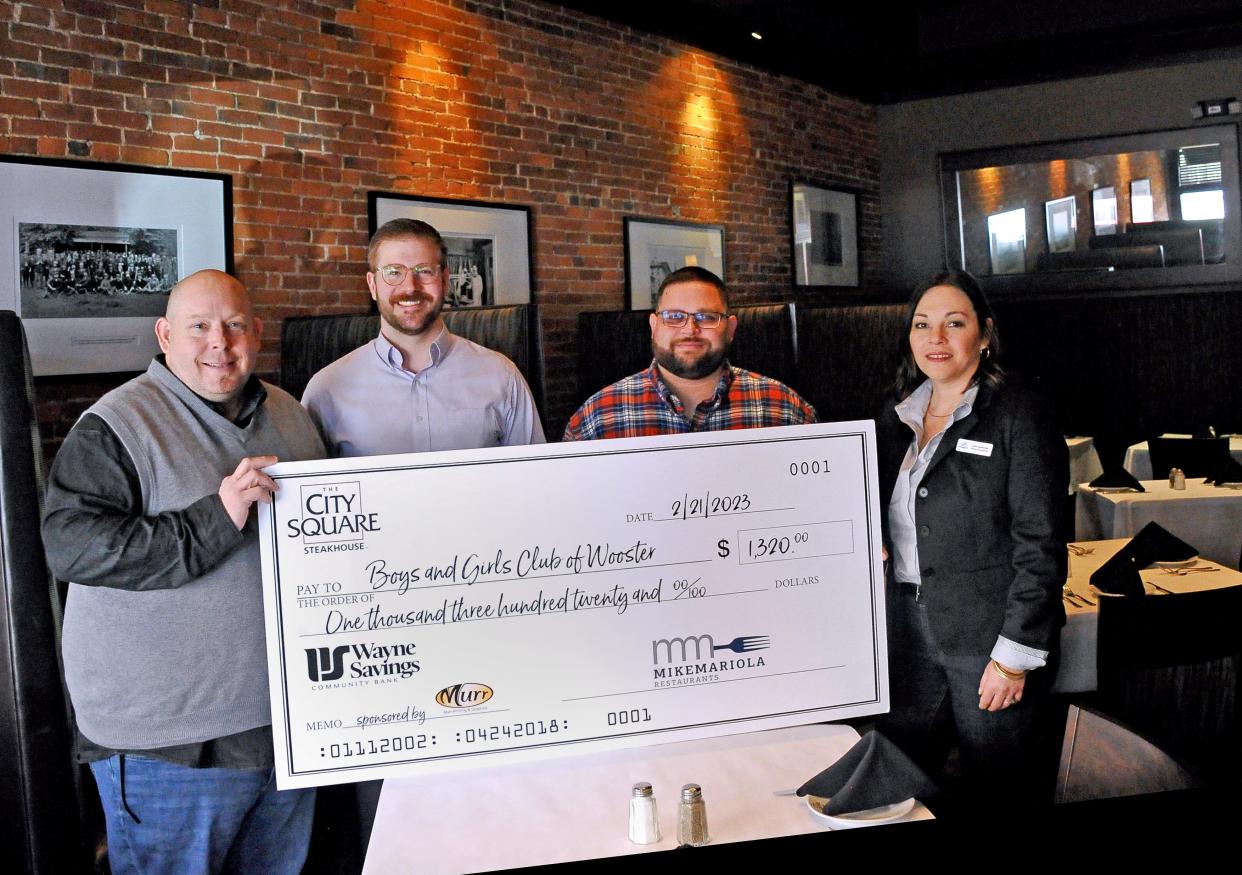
[
  {"x": 870, "y": 817},
  {"x": 1184, "y": 563},
  {"x": 1095, "y": 590}
]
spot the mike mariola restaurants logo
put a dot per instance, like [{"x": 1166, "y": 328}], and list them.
[
  {"x": 332, "y": 518},
  {"x": 693, "y": 659},
  {"x": 361, "y": 664}
]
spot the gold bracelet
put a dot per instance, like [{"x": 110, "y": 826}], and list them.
[{"x": 1006, "y": 673}]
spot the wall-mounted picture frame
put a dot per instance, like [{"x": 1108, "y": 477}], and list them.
[
  {"x": 1061, "y": 219},
  {"x": 489, "y": 251},
  {"x": 1104, "y": 210},
  {"x": 654, "y": 248},
  {"x": 89, "y": 251},
  {"x": 1007, "y": 241},
  {"x": 1142, "y": 205},
  {"x": 824, "y": 242}
]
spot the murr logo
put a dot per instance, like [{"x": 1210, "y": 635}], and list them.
[
  {"x": 326, "y": 664},
  {"x": 463, "y": 695}
]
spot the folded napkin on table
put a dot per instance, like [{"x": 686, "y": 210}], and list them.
[
  {"x": 1231, "y": 473},
  {"x": 1117, "y": 477},
  {"x": 1154, "y": 543},
  {"x": 872, "y": 773}
]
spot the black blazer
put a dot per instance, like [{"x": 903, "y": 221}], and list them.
[{"x": 990, "y": 533}]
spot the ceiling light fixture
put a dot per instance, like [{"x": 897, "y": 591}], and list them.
[{"x": 756, "y": 34}]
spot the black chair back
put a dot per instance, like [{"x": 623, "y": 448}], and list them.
[
  {"x": 1197, "y": 457},
  {"x": 39, "y": 798},
  {"x": 309, "y": 343},
  {"x": 1169, "y": 667}
]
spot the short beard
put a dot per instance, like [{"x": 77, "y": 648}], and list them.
[
  {"x": 428, "y": 320},
  {"x": 705, "y": 366}
]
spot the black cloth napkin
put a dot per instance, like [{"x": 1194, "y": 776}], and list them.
[
  {"x": 1231, "y": 473},
  {"x": 1154, "y": 543},
  {"x": 1117, "y": 477},
  {"x": 872, "y": 773}
]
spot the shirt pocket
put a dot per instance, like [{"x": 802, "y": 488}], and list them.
[{"x": 468, "y": 428}]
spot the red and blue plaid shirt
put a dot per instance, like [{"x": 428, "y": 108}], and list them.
[{"x": 642, "y": 405}]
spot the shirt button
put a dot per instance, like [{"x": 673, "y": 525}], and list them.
[
  {"x": 420, "y": 419},
  {"x": 922, "y": 492},
  {"x": 924, "y": 531}
]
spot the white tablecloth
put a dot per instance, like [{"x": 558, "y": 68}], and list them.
[
  {"x": 1138, "y": 457},
  {"x": 577, "y": 808},
  {"x": 1208, "y": 517},
  {"x": 1083, "y": 459},
  {"x": 1079, "y": 637}
]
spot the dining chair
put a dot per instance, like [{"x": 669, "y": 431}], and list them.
[
  {"x": 1169, "y": 668},
  {"x": 1103, "y": 759},
  {"x": 1197, "y": 457}
]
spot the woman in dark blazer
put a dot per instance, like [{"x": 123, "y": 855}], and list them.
[{"x": 973, "y": 471}]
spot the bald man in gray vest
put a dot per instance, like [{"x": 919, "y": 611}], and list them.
[{"x": 149, "y": 514}]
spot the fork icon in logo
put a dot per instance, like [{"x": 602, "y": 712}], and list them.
[{"x": 745, "y": 644}]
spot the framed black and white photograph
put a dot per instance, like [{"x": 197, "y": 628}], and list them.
[
  {"x": 1061, "y": 217},
  {"x": 1104, "y": 210},
  {"x": 489, "y": 255},
  {"x": 654, "y": 248},
  {"x": 90, "y": 252},
  {"x": 825, "y": 235}
]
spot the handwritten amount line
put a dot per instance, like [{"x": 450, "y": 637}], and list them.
[
  {"x": 662, "y": 601},
  {"x": 752, "y": 677}
]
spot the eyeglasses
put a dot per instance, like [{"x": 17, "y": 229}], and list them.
[
  {"x": 424, "y": 274},
  {"x": 679, "y": 318}
]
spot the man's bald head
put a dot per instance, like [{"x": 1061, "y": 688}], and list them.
[{"x": 210, "y": 335}]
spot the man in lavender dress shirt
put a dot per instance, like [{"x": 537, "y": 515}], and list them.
[{"x": 418, "y": 387}]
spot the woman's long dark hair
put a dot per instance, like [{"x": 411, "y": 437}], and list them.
[{"x": 989, "y": 372}]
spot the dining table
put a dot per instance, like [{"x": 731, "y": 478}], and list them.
[
  {"x": 576, "y": 807},
  {"x": 1079, "y": 636},
  {"x": 1084, "y": 461},
  {"x": 1138, "y": 456},
  {"x": 1205, "y": 516}
]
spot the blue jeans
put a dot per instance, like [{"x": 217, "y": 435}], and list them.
[{"x": 166, "y": 818}]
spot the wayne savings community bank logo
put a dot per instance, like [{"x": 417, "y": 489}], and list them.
[
  {"x": 698, "y": 659},
  {"x": 353, "y": 663},
  {"x": 332, "y": 517}
]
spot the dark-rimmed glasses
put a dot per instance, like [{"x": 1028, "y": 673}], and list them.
[
  {"x": 679, "y": 318},
  {"x": 424, "y": 274}
]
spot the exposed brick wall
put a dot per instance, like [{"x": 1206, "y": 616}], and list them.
[{"x": 311, "y": 104}]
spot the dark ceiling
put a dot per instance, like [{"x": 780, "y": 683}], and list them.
[{"x": 888, "y": 52}]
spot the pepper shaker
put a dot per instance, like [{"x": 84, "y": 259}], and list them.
[
  {"x": 692, "y": 819},
  {"x": 1177, "y": 478}
]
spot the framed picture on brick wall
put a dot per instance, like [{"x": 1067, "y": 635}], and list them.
[
  {"x": 489, "y": 256},
  {"x": 89, "y": 252},
  {"x": 824, "y": 222},
  {"x": 654, "y": 248}
]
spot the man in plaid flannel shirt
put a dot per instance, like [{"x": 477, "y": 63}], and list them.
[{"x": 690, "y": 385}]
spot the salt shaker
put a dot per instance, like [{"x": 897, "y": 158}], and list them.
[
  {"x": 692, "y": 819},
  {"x": 1177, "y": 478},
  {"x": 644, "y": 820}
]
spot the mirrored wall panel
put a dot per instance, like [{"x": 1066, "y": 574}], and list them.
[{"x": 1132, "y": 211}]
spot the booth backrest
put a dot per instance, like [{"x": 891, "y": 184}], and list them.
[
  {"x": 847, "y": 356},
  {"x": 615, "y": 344},
  {"x": 39, "y": 801},
  {"x": 308, "y": 343}
]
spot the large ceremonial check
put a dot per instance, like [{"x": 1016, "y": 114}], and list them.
[{"x": 444, "y": 610}]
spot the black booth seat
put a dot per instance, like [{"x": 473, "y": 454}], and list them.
[
  {"x": 614, "y": 344},
  {"x": 309, "y": 343},
  {"x": 40, "y": 801}
]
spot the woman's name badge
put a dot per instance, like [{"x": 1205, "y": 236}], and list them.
[{"x": 975, "y": 448}]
